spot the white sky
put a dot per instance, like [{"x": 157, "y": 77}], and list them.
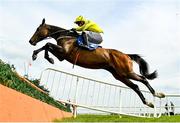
[{"x": 147, "y": 27}]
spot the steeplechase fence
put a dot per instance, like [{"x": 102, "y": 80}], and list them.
[{"x": 93, "y": 96}]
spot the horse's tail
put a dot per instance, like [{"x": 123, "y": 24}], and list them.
[{"x": 143, "y": 66}]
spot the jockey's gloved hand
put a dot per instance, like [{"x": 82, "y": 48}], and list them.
[{"x": 73, "y": 30}]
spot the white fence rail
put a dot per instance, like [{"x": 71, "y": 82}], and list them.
[{"x": 97, "y": 95}]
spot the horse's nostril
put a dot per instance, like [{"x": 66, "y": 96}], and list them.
[{"x": 32, "y": 43}]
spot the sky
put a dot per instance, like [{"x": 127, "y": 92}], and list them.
[{"x": 150, "y": 28}]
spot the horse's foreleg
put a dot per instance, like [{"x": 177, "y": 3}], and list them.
[
  {"x": 46, "y": 56},
  {"x": 49, "y": 47},
  {"x": 56, "y": 50},
  {"x": 35, "y": 52}
]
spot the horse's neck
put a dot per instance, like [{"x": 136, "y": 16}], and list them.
[
  {"x": 55, "y": 31},
  {"x": 62, "y": 31},
  {"x": 62, "y": 36}
]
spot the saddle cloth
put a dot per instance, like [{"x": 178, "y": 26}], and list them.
[{"x": 91, "y": 46}]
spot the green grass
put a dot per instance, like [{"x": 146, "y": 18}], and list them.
[{"x": 116, "y": 118}]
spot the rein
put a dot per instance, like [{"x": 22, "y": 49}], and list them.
[
  {"x": 57, "y": 32},
  {"x": 50, "y": 35}
]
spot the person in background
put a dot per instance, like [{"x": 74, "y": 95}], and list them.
[{"x": 169, "y": 109}]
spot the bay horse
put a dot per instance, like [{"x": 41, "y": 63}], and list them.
[{"x": 120, "y": 65}]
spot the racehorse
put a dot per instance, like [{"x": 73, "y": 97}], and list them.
[{"x": 120, "y": 65}]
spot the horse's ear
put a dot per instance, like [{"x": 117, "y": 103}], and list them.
[{"x": 43, "y": 21}]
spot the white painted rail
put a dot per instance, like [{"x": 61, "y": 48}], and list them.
[{"x": 97, "y": 95}]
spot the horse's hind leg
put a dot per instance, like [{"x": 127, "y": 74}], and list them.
[
  {"x": 137, "y": 90},
  {"x": 142, "y": 79},
  {"x": 131, "y": 85}
]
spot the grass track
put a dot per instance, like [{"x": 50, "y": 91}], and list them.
[{"x": 116, "y": 118}]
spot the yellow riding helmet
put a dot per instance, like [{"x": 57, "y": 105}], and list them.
[{"x": 79, "y": 18}]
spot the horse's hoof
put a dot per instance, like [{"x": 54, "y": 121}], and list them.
[
  {"x": 34, "y": 57},
  {"x": 51, "y": 60},
  {"x": 150, "y": 104},
  {"x": 160, "y": 95}
]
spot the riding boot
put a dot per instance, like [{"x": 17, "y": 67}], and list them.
[{"x": 85, "y": 41}]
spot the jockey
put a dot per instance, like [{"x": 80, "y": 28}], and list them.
[{"x": 90, "y": 31}]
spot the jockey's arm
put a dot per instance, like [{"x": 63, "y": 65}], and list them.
[{"x": 84, "y": 27}]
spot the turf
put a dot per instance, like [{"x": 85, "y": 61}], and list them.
[{"x": 116, "y": 118}]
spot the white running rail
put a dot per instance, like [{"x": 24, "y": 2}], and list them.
[
  {"x": 97, "y": 95},
  {"x": 170, "y": 105}
]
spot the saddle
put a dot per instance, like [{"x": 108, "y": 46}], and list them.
[
  {"x": 91, "y": 46},
  {"x": 79, "y": 41}
]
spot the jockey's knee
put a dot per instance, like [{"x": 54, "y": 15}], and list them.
[
  {"x": 83, "y": 33},
  {"x": 100, "y": 41}
]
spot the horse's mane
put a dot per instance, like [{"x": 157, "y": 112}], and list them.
[
  {"x": 55, "y": 27},
  {"x": 64, "y": 32}
]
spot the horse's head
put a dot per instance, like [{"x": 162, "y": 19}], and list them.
[{"x": 40, "y": 34}]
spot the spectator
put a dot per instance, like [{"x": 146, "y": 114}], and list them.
[{"x": 169, "y": 109}]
